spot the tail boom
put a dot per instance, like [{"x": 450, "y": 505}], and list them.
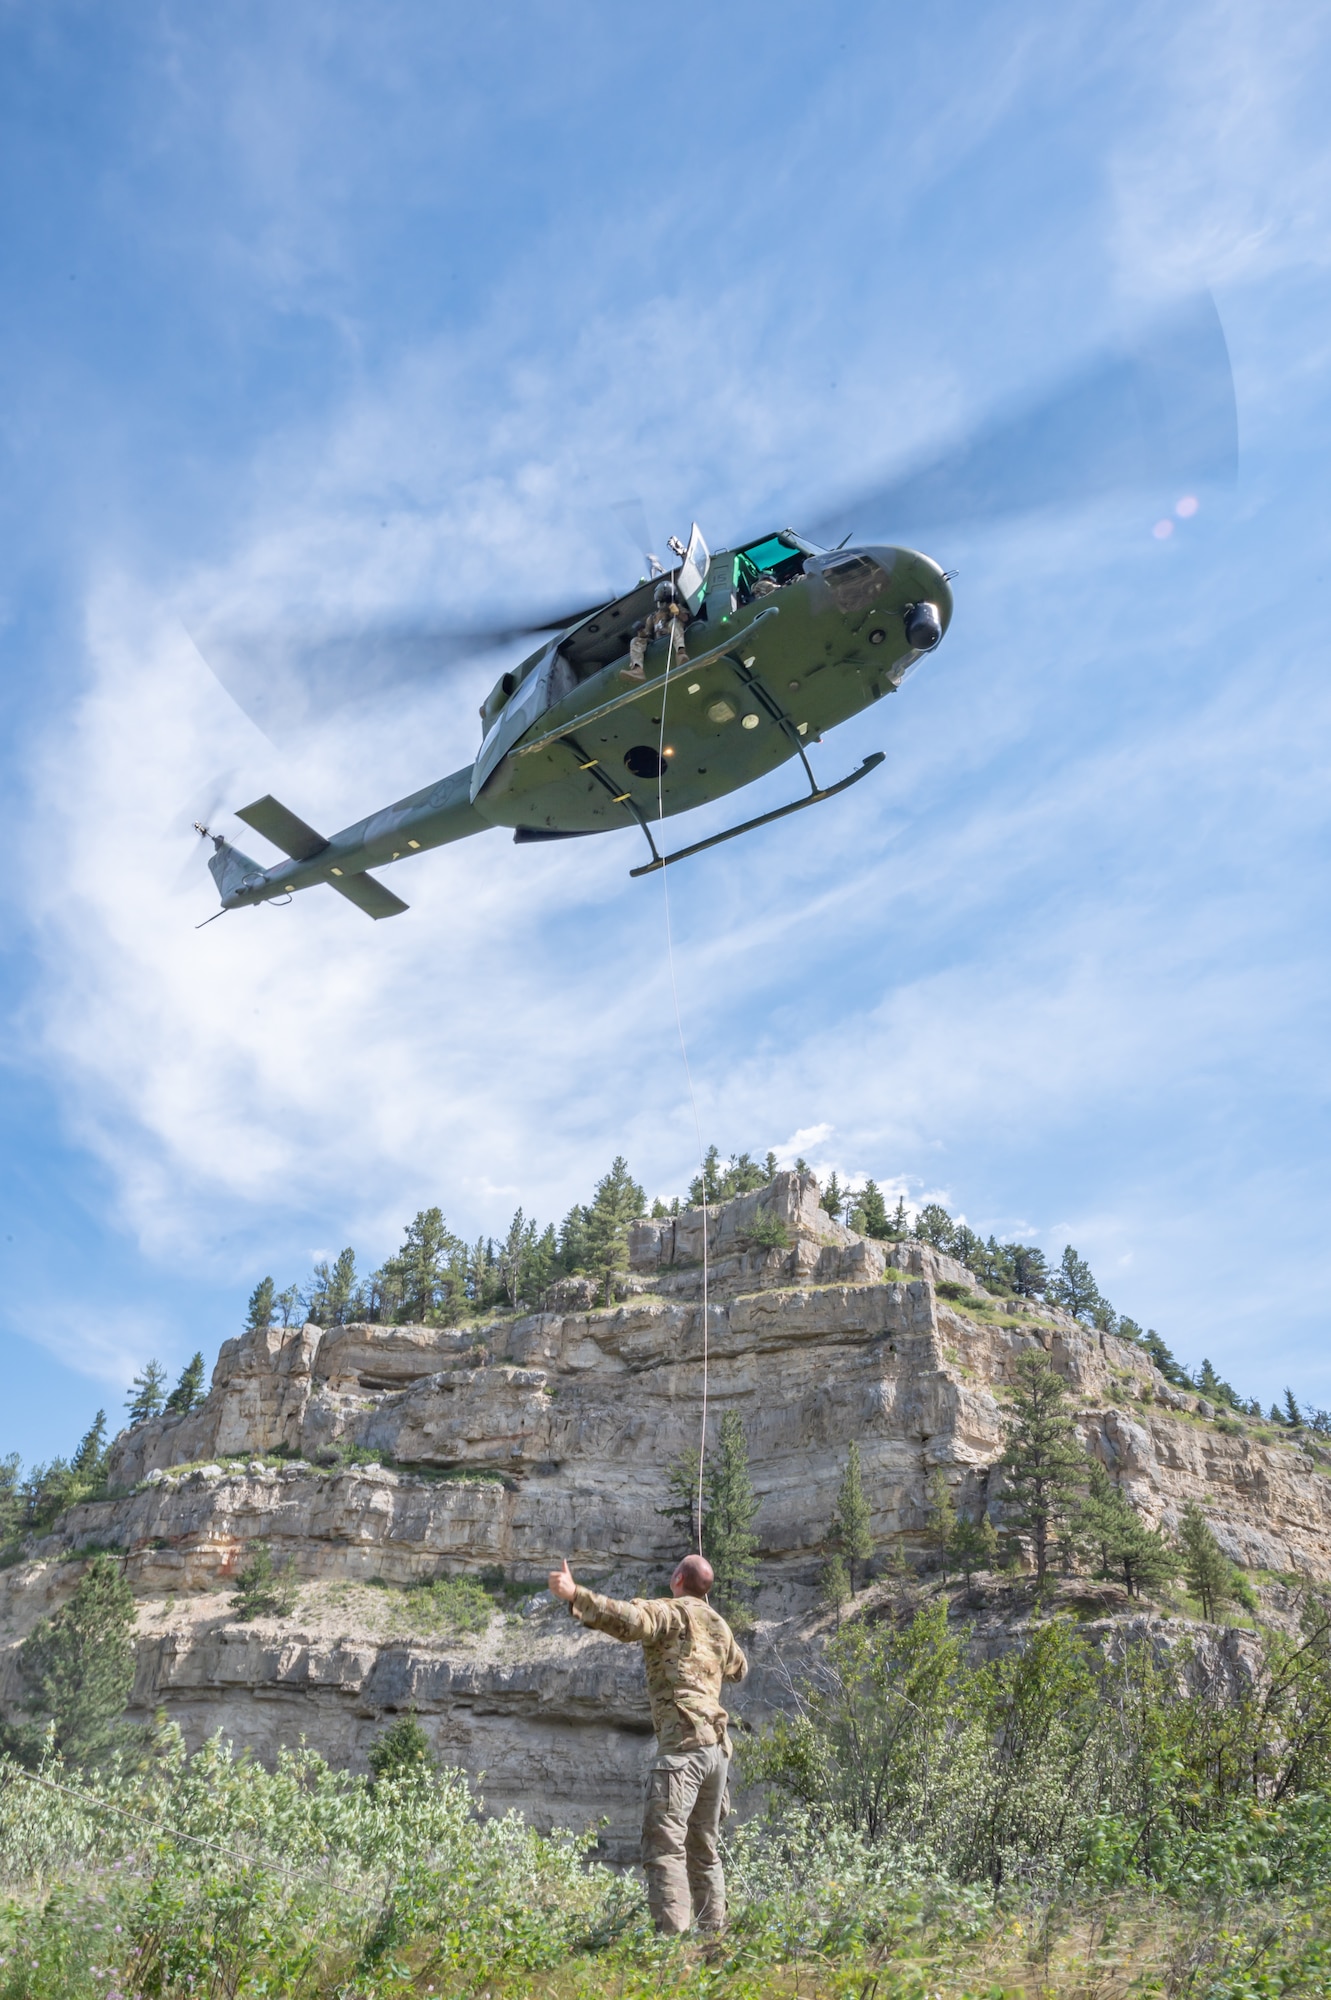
[{"x": 441, "y": 813}]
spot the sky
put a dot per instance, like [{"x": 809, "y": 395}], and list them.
[{"x": 319, "y": 313}]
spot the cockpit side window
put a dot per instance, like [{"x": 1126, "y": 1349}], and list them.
[{"x": 766, "y": 565}]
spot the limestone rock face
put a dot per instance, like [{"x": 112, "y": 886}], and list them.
[{"x": 508, "y": 1446}]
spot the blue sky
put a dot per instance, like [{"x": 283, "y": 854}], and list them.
[{"x": 315, "y": 312}]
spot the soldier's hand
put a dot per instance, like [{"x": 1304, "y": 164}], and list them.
[{"x": 562, "y": 1584}]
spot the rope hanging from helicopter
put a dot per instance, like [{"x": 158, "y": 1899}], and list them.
[{"x": 673, "y": 634}]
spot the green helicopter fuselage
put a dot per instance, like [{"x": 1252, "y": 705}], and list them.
[{"x": 788, "y": 642}]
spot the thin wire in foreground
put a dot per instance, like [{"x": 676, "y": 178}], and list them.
[{"x": 688, "y": 1076}]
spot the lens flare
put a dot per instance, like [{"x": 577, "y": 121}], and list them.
[{"x": 1163, "y": 530}]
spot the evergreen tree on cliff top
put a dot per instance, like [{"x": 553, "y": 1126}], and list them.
[
  {"x": 188, "y": 1392},
  {"x": 1043, "y": 1460},
  {"x": 259, "y": 1316},
  {"x": 425, "y": 1281},
  {"x": 618, "y": 1201},
  {"x": 870, "y": 1216},
  {"x": 1074, "y": 1288},
  {"x": 147, "y": 1393}
]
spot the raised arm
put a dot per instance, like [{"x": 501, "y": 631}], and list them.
[{"x": 632, "y": 1622}]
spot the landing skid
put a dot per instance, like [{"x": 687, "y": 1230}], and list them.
[{"x": 815, "y": 798}]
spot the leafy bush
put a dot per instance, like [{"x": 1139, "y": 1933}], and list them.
[{"x": 1013, "y": 1768}]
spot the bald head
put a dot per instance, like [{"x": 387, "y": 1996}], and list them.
[{"x": 693, "y": 1578}]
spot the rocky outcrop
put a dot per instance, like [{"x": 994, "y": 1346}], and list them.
[{"x": 504, "y": 1447}]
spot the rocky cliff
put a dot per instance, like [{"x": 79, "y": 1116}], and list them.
[{"x": 379, "y": 1458}]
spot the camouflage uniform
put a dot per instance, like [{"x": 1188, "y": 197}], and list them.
[
  {"x": 689, "y": 1651},
  {"x": 666, "y": 620}
]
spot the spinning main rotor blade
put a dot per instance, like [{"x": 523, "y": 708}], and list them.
[
  {"x": 285, "y": 678},
  {"x": 1158, "y": 415}
]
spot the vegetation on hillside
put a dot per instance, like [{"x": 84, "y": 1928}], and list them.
[{"x": 1053, "y": 1821}]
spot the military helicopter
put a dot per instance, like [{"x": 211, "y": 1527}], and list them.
[{"x": 710, "y": 674}]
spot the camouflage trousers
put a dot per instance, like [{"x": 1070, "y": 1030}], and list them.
[{"x": 686, "y": 1798}]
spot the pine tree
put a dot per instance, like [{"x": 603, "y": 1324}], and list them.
[
  {"x": 11, "y": 1498},
  {"x": 770, "y": 1166},
  {"x": 942, "y": 1514},
  {"x": 1207, "y": 1570},
  {"x": 573, "y": 1240},
  {"x": 834, "y": 1588},
  {"x": 899, "y": 1227},
  {"x": 1164, "y": 1360},
  {"x": 263, "y": 1587},
  {"x": 403, "y": 1748},
  {"x": 705, "y": 1187},
  {"x": 540, "y": 1258},
  {"x": 77, "y": 1669},
  {"x": 335, "y": 1296},
  {"x": 148, "y": 1393},
  {"x": 833, "y": 1196},
  {"x": 1110, "y": 1527},
  {"x": 1030, "y": 1272},
  {"x": 683, "y": 1505},
  {"x": 853, "y": 1525},
  {"x": 260, "y": 1313},
  {"x": 88, "y": 1464},
  {"x": 972, "y": 1546},
  {"x": 424, "y": 1281},
  {"x": 743, "y": 1175},
  {"x": 188, "y": 1392},
  {"x": 1293, "y": 1416},
  {"x": 967, "y": 1247},
  {"x": 934, "y": 1225},
  {"x": 1044, "y": 1462},
  {"x": 618, "y": 1201},
  {"x": 871, "y": 1217},
  {"x": 286, "y": 1303},
  {"x": 729, "y": 1505},
  {"x": 1074, "y": 1288}
]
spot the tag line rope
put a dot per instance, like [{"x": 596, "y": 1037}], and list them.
[{"x": 688, "y": 1075}]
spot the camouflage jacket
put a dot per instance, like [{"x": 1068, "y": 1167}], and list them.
[{"x": 688, "y": 1650}]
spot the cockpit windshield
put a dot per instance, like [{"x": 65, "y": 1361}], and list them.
[{"x": 766, "y": 565}]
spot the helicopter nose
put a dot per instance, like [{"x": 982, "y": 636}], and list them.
[{"x": 924, "y": 627}]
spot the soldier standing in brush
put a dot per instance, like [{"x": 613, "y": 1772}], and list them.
[{"x": 689, "y": 1652}]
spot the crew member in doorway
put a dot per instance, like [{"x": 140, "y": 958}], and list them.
[
  {"x": 689, "y": 1652},
  {"x": 666, "y": 620}
]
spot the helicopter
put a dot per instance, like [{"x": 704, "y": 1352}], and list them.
[{"x": 711, "y": 674}]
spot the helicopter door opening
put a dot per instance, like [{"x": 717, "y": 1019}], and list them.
[{"x": 548, "y": 682}]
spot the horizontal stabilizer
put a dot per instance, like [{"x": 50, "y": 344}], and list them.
[
  {"x": 369, "y": 895},
  {"x": 275, "y": 822}
]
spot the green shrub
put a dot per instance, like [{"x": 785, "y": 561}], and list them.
[
  {"x": 768, "y": 1232},
  {"x": 447, "y": 1606},
  {"x": 403, "y": 1747},
  {"x": 263, "y": 1588}
]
